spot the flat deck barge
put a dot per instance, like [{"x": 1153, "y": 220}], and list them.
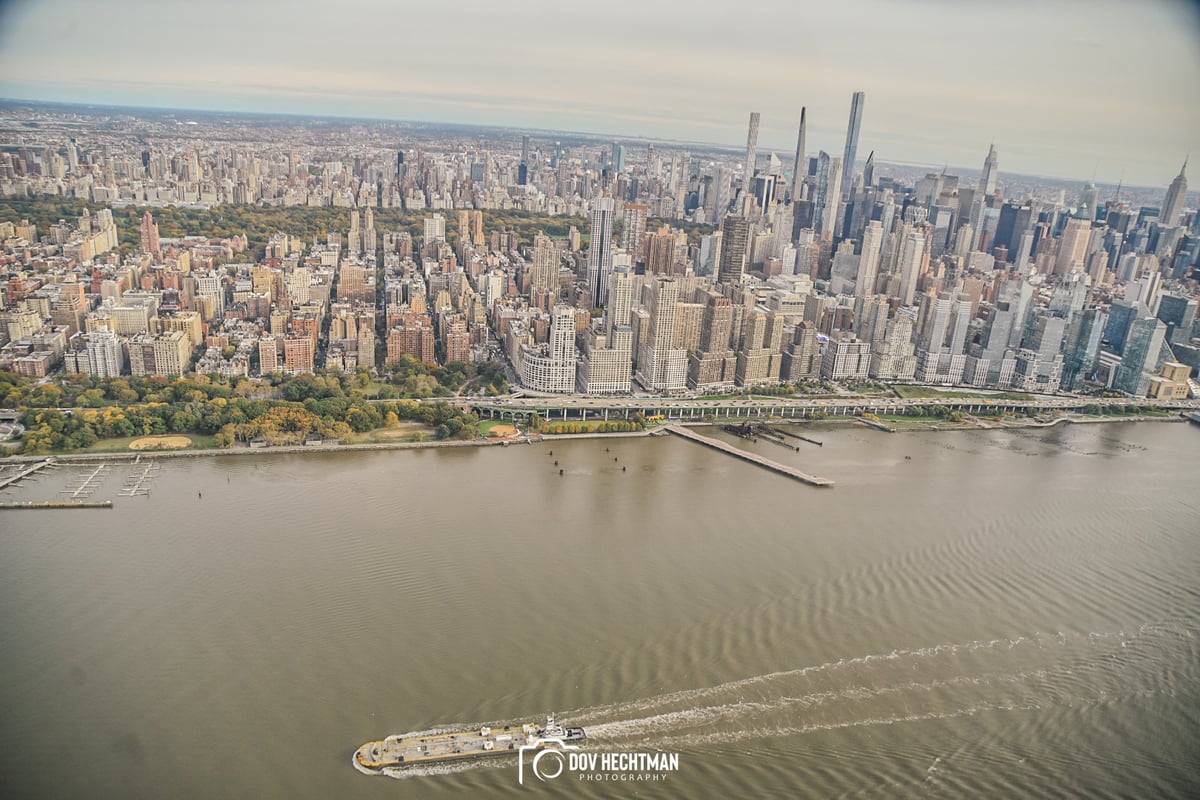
[{"x": 411, "y": 749}]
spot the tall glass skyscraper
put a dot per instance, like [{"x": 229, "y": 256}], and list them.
[
  {"x": 856, "y": 110},
  {"x": 600, "y": 252},
  {"x": 1140, "y": 359}
]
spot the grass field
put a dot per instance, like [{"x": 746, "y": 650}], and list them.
[
  {"x": 125, "y": 444},
  {"x": 921, "y": 392},
  {"x": 497, "y": 428},
  {"x": 404, "y": 432},
  {"x": 1108, "y": 413}
]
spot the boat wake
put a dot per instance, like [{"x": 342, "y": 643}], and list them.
[{"x": 945, "y": 681}]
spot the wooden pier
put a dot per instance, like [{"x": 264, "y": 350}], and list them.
[
  {"x": 753, "y": 458},
  {"x": 781, "y": 432}
]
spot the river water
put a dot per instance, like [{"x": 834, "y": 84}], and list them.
[{"x": 967, "y": 614}]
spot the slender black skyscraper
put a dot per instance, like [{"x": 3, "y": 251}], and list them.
[
  {"x": 523, "y": 167},
  {"x": 856, "y": 110},
  {"x": 801, "y": 166},
  {"x": 869, "y": 171}
]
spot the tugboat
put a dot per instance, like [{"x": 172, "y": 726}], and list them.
[{"x": 396, "y": 752}]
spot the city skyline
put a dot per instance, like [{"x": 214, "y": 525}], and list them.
[{"x": 932, "y": 100}]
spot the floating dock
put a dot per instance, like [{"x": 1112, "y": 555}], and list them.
[
  {"x": 25, "y": 473},
  {"x": 140, "y": 484},
  {"x": 89, "y": 484},
  {"x": 753, "y": 458}
]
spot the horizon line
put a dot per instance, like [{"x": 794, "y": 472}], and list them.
[{"x": 481, "y": 125}]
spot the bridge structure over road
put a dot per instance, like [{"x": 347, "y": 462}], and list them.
[{"x": 577, "y": 407}]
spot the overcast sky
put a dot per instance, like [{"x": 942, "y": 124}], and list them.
[{"x": 1070, "y": 89}]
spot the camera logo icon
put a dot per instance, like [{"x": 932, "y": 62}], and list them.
[{"x": 547, "y": 759}]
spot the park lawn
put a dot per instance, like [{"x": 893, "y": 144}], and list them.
[
  {"x": 1123, "y": 413},
  {"x": 121, "y": 445},
  {"x": 404, "y": 432},
  {"x": 372, "y": 389},
  {"x": 921, "y": 392}
]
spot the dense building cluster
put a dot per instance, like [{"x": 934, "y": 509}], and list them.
[{"x": 701, "y": 271}]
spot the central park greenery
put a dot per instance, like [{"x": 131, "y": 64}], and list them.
[
  {"x": 74, "y": 412},
  {"x": 259, "y": 223}
]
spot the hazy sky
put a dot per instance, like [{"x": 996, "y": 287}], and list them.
[{"x": 1070, "y": 89}]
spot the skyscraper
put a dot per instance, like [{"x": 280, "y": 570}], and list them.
[
  {"x": 1179, "y": 314},
  {"x": 1140, "y": 357},
  {"x": 523, "y": 167},
  {"x": 1082, "y": 349},
  {"x": 987, "y": 186},
  {"x": 150, "y": 240},
  {"x": 1173, "y": 202},
  {"x": 734, "y": 234},
  {"x": 987, "y": 180},
  {"x": 801, "y": 165},
  {"x": 751, "y": 153},
  {"x": 1072, "y": 249},
  {"x": 661, "y": 367},
  {"x": 856, "y": 110},
  {"x": 912, "y": 254},
  {"x": 551, "y": 367},
  {"x": 634, "y": 230},
  {"x": 600, "y": 254},
  {"x": 825, "y": 196},
  {"x": 606, "y": 364},
  {"x": 620, "y": 298},
  {"x": 868, "y": 264},
  {"x": 544, "y": 272}
]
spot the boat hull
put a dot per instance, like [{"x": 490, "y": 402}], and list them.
[{"x": 408, "y": 750}]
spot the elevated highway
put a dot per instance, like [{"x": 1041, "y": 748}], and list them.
[{"x": 576, "y": 407}]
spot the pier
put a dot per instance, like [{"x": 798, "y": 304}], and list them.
[
  {"x": 139, "y": 484},
  {"x": 753, "y": 458},
  {"x": 25, "y": 473},
  {"x": 781, "y": 432},
  {"x": 57, "y": 504},
  {"x": 876, "y": 423},
  {"x": 89, "y": 484}
]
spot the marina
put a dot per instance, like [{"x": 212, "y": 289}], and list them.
[{"x": 25, "y": 473}]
